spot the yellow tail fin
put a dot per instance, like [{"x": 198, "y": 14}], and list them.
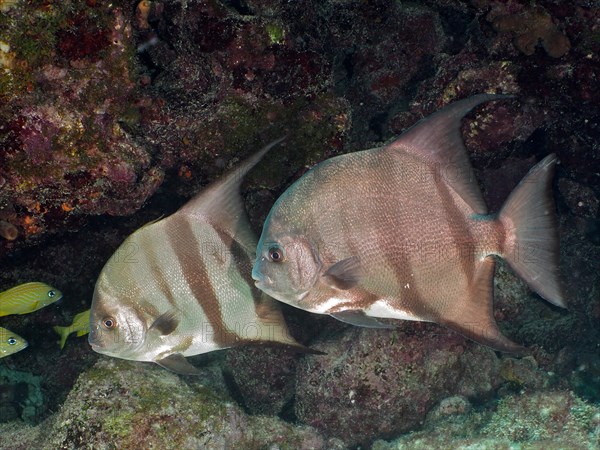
[{"x": 63, "y": 332}]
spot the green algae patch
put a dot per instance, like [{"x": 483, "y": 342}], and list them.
[
  {"x": 537, "y": 420},
  {"x": 275, "y": 32},
  {"x": 133, "y": 405},
  {"x": 119, "y": 425}
]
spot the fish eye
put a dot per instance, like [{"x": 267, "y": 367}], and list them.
[
  {"x": 109, "y": 323},
  {"x": 51, "y": 294},
  {"x": 11, "y": 341},
  {"x": 276, "y": 253}
]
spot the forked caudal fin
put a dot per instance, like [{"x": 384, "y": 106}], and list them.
[{"x": 531, "y": 229}]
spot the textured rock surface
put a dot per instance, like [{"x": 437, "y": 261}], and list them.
[
  {"x": 117, "y": 404},
  {"x": 381, "y": 383},
  {"x": 265, "y": 377},
  {"x": 539, "y": 421}
]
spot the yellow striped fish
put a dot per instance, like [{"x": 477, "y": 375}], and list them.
[
  {"x": 28, "y": 297},
  {"x": 10, "y": 342},
  {"x": 402, "y": 232},
  {"x": 181, "y": 286},
  {"x": 80, "y": 325}
]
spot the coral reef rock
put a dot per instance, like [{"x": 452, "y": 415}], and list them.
[
  {"x": 538, "y": 421},
  {"x": 375, "y": 383},
  {"x": 118, "y": 404}
]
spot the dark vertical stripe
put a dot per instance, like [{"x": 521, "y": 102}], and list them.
[
  {"x": 358, "y": 299},
  {"x": 460, "y": 233},
  {"x": 188, "y": 251},
  {"x": 409, "y": 299}
]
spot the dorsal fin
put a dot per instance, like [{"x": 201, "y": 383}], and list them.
[
  {"x": 221, "y": 202},
  {"x": 437, "y": 140}
]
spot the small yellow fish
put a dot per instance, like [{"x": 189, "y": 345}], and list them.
[
  {"x": 10, "y": 342},
  {"x": 80, "y": 325},
  {"x": 28, "y": 297}
]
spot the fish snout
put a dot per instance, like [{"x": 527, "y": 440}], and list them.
[
  {"x": 256, "y": 273},
  {"x": 260, "y": 281},
  {"x": 94, "y": 341}
]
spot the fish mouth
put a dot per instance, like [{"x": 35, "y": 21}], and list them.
[
  {"x": 260, "y": 285},
  {"x": 95, "y": 347},
  {"x": 267, "y": 288},
  {"x": 260, "y": 280},
  {"x": 93, "y": 341},
  {"x": 256, "y": 275}
]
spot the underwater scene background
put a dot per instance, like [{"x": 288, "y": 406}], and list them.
[{"x": 113, "y": 114}]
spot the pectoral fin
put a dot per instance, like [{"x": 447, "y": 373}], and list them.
[
  {"x": 34, "y": 306},
  {"x": 165, "y": 323},
  {"x": 178, "y": 364},
  {"x": 360, "y": 319},
  {"x": 344, "y": 274}
]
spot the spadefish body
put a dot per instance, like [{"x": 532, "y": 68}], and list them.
[
  {"x": 181, "y": 286},
  {"x": 403, "y": 232}
]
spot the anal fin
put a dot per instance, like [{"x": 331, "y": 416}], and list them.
[
  {"x": 473, "y": 316},
  {"x": 178, "y": 364}
]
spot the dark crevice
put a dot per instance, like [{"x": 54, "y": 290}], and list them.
[{"x": 240, "y": 6}]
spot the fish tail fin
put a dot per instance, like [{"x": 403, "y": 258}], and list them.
[
  {"x": 63, "y": 332},
  {"x": 531, "y": 245}
]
